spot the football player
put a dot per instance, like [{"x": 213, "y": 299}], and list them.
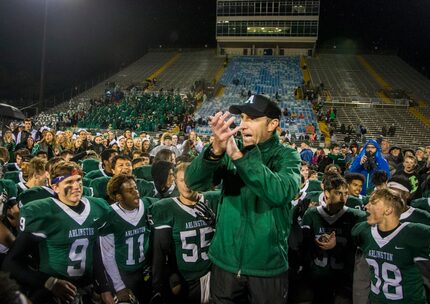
[
  {"x": 392, "y": 249},
  {"x": 124, "y": 239},
  {"x": 64, "y": 228},
  {"x": 183, "y": 230}
]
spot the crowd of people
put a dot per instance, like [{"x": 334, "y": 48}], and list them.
[{"x": 241, "y": 216}]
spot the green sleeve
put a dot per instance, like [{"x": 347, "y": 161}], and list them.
[
  {"x": 99, "y": 187},
  {"x": 161, "y": 216},
  {"x": 145, "y": 188},
  {"x": 200, "y": 174},
  {"x": 10, "y": 186},
  {"x": 307, "y": 222},
  {"x": 32, "y": 219},
  {"x": 277, "y": 186}
]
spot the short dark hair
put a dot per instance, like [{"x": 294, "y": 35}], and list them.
[
  {"x": 354, "y": 176},
  {"x": 115, "y": 183},
  {"x": 117, "y": 157},
  {"x": 106, "y": 154},
  {"x": 137, "y": 160},
  {"x": 334, "y": 146},
  {"x": 333, "y": 181},
  {"x": 163, "y": 154},
  {"x": 379, "y": 177}
]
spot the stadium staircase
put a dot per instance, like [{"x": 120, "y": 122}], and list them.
[
  {"x": 190, "y": 66},
  {"x": 367, "y": 78},
  {"x": 272, "y": 76}
]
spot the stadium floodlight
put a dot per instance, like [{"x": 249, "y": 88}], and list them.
[{"x": 42, "y": 61}]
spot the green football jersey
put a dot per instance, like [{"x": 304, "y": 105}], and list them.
[
  {"x": 36, "y": 193},
  {"x": 21, "y": 187},
  {"x": 129, "y": 232},
  {"x": 422, "y": 203},
  {"x": 15, "y": 176},
  {"x": 99, "y": 186},
  {"x": 354, "y": 202},
  {"x": 415, "y": 215},
  {"x": 311, "y": 186},
  {"x": 337, "y": 262},
  {"x": 67, "y": 238},
  {"x": 191, "y": 235},
  {"x": 143, "y": 172},
  {"x": 96, "y": 174},
  {"x": 315, "y": 196},
  {"x": 8, "y": 190},
  {"x": 394, "y": 276},
  {"x": 90, "y": 164},
  {"x": 33, "y": 194},
  {"x": 12, "y": 167}
]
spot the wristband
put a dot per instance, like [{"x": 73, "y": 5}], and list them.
[
  {"x": 49, "y": 284},
  {"x": 214, "y": 156}
]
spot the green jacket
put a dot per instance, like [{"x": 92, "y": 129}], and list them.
[{"x": 254, "y": 214}]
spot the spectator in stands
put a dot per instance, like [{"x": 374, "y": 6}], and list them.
[
  {"x": 421, "y": 161},
  {"x": 78, "y": 146},
  {"x": 427, "y": 152},
  {"x": 385, "y": 148},
  {"x": 47, "y": 144},
  {"x": 368, "y": 161},
  {"x": 306, "y": 152},
  {"x": 392, "y": 130},
  {"x": 166, "y": 143},
  {"x": 137, "y": 144},
  {"x": 146, "y": 146},
  {"x": 83, "y": 135},
  {"x": 395, "y": 159},
  {"x": 318, "y": 156},
  {"x": 333, "y": 157},
  {"x": 410, "y": 173},
  {"x": 129, "y": 148},
  {"x": 29, "y": 143},
  {"x": 8, "y": 142}
]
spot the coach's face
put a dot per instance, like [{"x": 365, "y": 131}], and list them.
[{"x": 256, "y": 130}]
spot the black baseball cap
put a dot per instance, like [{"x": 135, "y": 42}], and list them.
[{"x": 257, "y": 106}]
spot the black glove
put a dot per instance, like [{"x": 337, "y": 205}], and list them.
[{"x": 205, "y": 213}]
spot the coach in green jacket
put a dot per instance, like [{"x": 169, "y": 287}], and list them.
[{"x": 249, "y": 249}]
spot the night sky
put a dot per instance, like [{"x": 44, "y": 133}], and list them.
[{"x": 87, "y": 38}]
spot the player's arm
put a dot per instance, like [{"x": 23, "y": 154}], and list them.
[
  {"x": 201, "y": 173},
  {"x": 16, "y": 261},
  {"x": 107, "y": 249},
  {"x": 100, "y": 275},
  {"x": 163, "y": 250},
  {"x": 308, "y": 243}
]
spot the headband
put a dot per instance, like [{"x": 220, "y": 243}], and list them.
[{"x": 59, "y": 179}]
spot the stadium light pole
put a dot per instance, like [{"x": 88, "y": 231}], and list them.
[{"x": 42, "y": 63}]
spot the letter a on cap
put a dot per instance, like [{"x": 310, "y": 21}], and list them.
[{"x": 250, "y": 100}]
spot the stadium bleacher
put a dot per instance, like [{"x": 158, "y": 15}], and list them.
[{"x": 275, "y": 77}]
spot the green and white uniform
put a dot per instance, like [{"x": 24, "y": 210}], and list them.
[
  {"x": 67, "y": 238},
  {"x": 337, "y": 263},
  {"x": 124, "y": 240},
  {"x": 99, "y": 186},
  {"x": 415, "y": 215},
  {"x": 394, "y": 276},
  {"x": 191, "y": 235},
  {"x": 422, "y": 203}
]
